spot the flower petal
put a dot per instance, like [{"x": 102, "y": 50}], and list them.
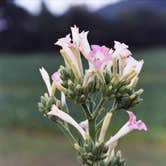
[
  {"x": 129, "y": 126},
  {"x": 64, "y": 41},
  {"x": 132, "y": 64},
  {"x": 46, "y": 79},
  {"x": 84, "y": 124},
  {"x": 121, "y": 50},
  {"x": 55, "y": 111},
  {"x": 56, "y": 77}
]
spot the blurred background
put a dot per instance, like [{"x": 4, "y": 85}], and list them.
[{"x": 28, "y": 31}]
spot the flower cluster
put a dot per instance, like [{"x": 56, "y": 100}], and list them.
[{"x": 111, "y": 76}]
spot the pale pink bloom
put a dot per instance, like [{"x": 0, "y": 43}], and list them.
[
  {"x": 99, "y": 55},
  {"x": 55, "y": 111},
  {"x": 75, "y": 36},
  {"x": 134, "y": 124},
  {"x": 84, "y": 124},
  {"x": 80, "y": 40},
  {"x": 46, "y": 79},
  {"x": 121, "y": 50},
  {"x": 56, "y": 77},
  {"x": 132, "y": 64},
  {"x": 84, "y": 44},
  {"x": 66, "y": 44},
  {"x": 64, "y": 41},
  {"x": 131, "y": 125}
]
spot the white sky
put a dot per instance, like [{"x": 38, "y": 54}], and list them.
[{"x": 58, "y": 7}]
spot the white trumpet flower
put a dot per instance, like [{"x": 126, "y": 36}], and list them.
[{"x": 55, "y": 111}]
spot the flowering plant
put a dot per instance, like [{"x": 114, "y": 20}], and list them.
[{"x": 111, "y": 77}]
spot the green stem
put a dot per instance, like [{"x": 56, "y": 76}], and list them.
[
  {"x": 99, "y": 124},
  {"x": 92, "y": 126},
  {"x": 87, "y": 112},
  {"x": 114, "y": 106},
  {"x": 98, "y": 108},
  {"x": 66, "y": 132}
]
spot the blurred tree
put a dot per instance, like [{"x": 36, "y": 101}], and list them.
[{"x": 138, "y": 23}]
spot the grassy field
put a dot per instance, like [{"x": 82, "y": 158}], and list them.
[{"x": 24, "y": 132}]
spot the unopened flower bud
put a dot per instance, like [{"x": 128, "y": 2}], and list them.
[
  {"x": 78, "y": 89},
  {"x": 76, "y": 146},
  {"x": 134, "y": 82},
  {"x": 139, "y": 92},
  {"x": 115, "y": 65},
  {"x": 119, "y": 154},
  {"x": 131, "y": 76},
  {"x": 58, "y": 103},
  {"x": 105, "y": 127},
  {"x": 133, "y": 96}
]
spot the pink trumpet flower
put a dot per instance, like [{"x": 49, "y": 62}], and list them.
[
  {"x": 131, "y": 125},
  {"x": 99, "y": 55}
]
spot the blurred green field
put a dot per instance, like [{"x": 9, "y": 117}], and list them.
[{"x": 21, "y": 87}]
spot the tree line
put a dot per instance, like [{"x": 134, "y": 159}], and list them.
[{"x": 22, "y": 32}]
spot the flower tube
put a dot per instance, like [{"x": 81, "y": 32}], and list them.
[
  {"x": 55, "y": 111},
  {"x": 131, "y": 125}
]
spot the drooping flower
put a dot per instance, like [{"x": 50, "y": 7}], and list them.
[
  {"x": 131, "y": 125},
  {"x": 99, "y": 55},
  {"x": 46, "y": 79},
  {"x": 55, "y": 111}
]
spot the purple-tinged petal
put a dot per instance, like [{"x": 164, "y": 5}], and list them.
[
  {"x": 129, "y": 126},
  {"x": 84, "y": 124},
  {"x": 99, "y": 55},
  {"x": 56, "y": 77}
]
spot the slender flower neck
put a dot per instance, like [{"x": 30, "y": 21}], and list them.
[{"x": 129, "y": 126}]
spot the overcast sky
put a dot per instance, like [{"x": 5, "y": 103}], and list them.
[{"x": 58, "y": 7}]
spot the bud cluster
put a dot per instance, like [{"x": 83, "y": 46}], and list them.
[{"x": 112, "y": 75}]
